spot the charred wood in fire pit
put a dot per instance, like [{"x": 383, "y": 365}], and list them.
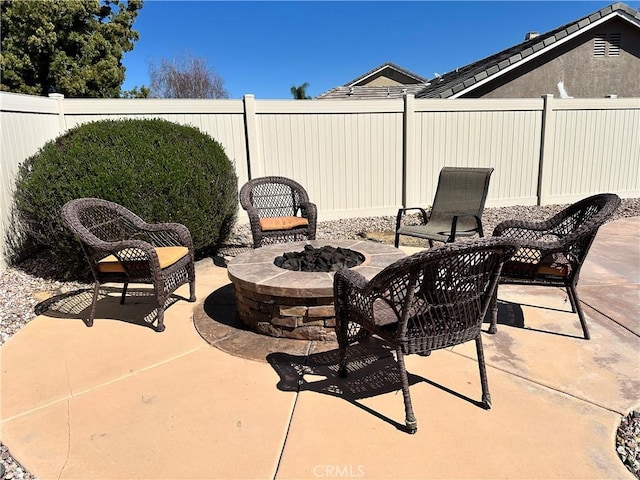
[{"x": 323, "y": 259}]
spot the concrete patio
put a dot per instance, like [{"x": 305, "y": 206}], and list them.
[{"x": 119, "y": 401}]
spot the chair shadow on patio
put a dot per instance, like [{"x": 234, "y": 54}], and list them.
[
  {"x": 511, "y": 314},
  {"x": 139, "y": 309},
  {"x": 372, "y": 371}
]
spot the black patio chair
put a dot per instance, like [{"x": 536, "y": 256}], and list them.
[
  {"x": 457, "y": 207},
  {"x": 279, "y": 210},
  {"x": 552, "y": 251},
  {"x": 434, "y": 299},
  {"x": 122, "y": 248}
]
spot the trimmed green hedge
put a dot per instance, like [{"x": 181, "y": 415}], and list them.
[{"x": 162, "y": 171}]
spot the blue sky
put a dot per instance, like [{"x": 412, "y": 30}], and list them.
[{"x": 265, "y": 47}]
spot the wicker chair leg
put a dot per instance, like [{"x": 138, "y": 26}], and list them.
[
  {"x": 493, "y": 312},
  {"x": 410, "y": 419},
  {"x": 124, "y": 293},
  {"x": 160, "y": 313},
  {"x": 192, "y": 283},
  {"x": 342, "y": 367},
  {"x": 575, "y": 304},
  {"x": 94, "y": 302},
  {"x": 486, "y": 396},
  {"x": 342, "y": 349},
  {"x": 192, "y": 291}
]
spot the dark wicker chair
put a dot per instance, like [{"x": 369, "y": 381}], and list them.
[
  {"x": 433, "y": 299},
  {"x": 457, "y": 207},
  {"x": 279, "y": 210},
  {"x": 552, "y": 251},
  {"x": 120, "y": 247}
]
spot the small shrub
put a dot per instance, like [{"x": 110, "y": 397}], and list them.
[{"x": 162, "y": 171}]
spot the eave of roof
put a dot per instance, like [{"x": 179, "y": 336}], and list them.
[{"x": 462, "y": 80}]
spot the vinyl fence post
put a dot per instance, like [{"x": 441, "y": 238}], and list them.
[
  {"x": 251, "y": 133},
  {"x": 546, "y": 147},
  {"x": 59, "y": 97},
  {"x": 409, "y": 142}
]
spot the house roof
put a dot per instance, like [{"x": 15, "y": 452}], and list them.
[
  {"x": 369, "y": 92},
  {"x": 355, "y": 89},
  {"x": 459, "y": 82},
  {"x": 380, "y": 68}
]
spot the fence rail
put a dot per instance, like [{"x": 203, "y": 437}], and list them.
[{"x": 363, "y": 158}]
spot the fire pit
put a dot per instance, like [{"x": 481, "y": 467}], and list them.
[
  {"x": 323, "y": 259},
  {"x": 296, "y": 304}
]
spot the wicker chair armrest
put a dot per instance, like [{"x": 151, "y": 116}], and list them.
[
  {"x": 351, "y": 291},
  {"x": 254, "y": 220},
  {"x": 522, "y": 228},
  {"x": 533, "y": 238},
  {"x": 543, "y": 246},
  {"x": 350, "y": 279},
  {"x": 115, "y": 249},
  {"x": 309, "y": 210},
  {"x": 168, "y": 234},
  {"x": 251, "y": 211}
]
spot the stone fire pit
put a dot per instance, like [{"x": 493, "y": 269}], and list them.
[{"x": 293, "y": 304}]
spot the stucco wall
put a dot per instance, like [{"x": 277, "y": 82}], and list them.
[{"x": 583, "y": 75}]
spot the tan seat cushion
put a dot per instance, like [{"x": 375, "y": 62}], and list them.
[
  {"x": 167, "y": 256},
  {"x": 531, "y": 270},
  {"x": 553, "y": 269},
  {"x": 282, "y": 223}
]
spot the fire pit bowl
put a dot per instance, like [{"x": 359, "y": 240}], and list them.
[{"x": 295, "y": 304}]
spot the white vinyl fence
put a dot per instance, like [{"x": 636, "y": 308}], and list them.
[{"x": 365, "y": 158}]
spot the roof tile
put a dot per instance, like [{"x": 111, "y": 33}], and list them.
[
  {"x": 526, "y": 52},
  {"x": 583, "y": 23},
  {"x": 572, "y": 28},
  {"x": 481, "y": 76}
]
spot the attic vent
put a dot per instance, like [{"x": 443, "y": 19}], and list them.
[
  {"x": 615, "y": 41},
  {"x": 599, "y": 45},
  {"x": 607, "y": 45}
]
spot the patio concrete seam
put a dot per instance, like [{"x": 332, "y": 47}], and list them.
[
  {"x": 66, "y": 458},
  {"x": 544, "y": 385},
  {"x": 96, "y": 387},
  {"x": 293, "y": 410},
  {"x": 68, "y": 401},
  {"x": 610, "y": 318}
]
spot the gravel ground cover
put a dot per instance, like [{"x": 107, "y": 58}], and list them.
[{"x": 25, "y": 285}]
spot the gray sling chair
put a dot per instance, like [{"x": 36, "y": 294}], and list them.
[
  {"x": 457, "y": 207},
  {"x": 122, "y": 248},
  {"x": 433, "y": 299},
  {"x": 552, "y": 251}
]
